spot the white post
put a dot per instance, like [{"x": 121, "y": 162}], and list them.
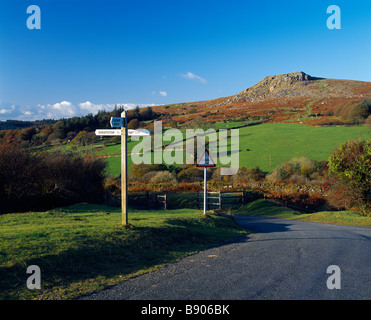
[{"x": 205, "y": 190}]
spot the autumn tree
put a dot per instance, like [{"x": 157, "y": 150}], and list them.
[
  {"x": 133, "y": 124},
  {"x": 350, "y": 176}
]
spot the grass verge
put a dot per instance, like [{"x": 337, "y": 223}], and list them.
[
  {"x": 265, "y": 208},
  {"x": 83, "y": 248}
]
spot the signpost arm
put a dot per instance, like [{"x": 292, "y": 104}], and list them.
[{"x": 124, "y": 171}]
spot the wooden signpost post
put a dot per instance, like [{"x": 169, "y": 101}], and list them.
[
  {"x": 205, "y": 162},
  {"x": 123, "y": 132},
  {"x": 124, "y": 169}
]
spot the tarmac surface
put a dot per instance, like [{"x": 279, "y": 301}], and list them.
[{"x": 281, "y": 259}]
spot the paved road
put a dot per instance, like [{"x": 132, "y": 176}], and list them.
[{"x": 282, "y": 259}]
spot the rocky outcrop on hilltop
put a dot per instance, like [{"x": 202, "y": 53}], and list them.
[{"x": 289, "y": 84}]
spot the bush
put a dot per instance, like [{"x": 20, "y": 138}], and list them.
[
  {"x": 299, "y": 170},
  {"x": 163, "y": 176},
  {"x": 46, "y": 180},
  {"x": 191, "y": 174},
  {"x": 368, "y": 121},
  {"x": 138, "y": 170},
  {"x": 84, "y": 138},
  {"x": 144, "y": 172},
  {"x": 354, "y": 111},
  {"x": 252, "y": 174},
  {"x": 133, "y": 124},
  {"x": 148, "y": 176},
  {"x": 350, "y": 176},
  {"x": 359, "y": 112}
]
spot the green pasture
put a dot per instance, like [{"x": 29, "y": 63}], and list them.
[{"x": 268, "y": 145}]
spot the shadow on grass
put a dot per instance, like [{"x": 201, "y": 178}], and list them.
[{"x": 121, "y": 252}]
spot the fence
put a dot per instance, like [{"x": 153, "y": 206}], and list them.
[
  {"x": 141, "y": 200},
  {"x": 147, "y": 200},
  {"x": 221, "y": 200},
  {"x": 215, "y": 200}
]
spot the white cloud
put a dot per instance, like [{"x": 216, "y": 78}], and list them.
[
  {"x": 94, "y": 108},
  {"x": 63, "y": 109},
  {"x": 192, "y": 76},
  {"x": 161, "y": 93},
  {"x": 7, "y": 111}
]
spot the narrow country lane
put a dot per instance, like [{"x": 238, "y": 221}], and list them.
[{"x": 282, "y": 259}]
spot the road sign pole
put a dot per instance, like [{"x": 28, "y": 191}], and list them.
[
  {"x": 205, "y": 189},
  {"x": 204, "y": 162},
  {"x": 124, "y": 176}
]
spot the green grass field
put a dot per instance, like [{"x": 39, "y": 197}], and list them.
[
  {"x": 268, "y": 145},
  {"x": 83, "y": 248},
  {"x": 272, "y": 144}
]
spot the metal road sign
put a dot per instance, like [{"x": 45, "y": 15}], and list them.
[
  {"x": 206, "y": 160},
  {"x": 117, "y": 122},
  {"x": 117, "y": 132}
]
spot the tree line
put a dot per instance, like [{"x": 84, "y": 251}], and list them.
[{"x": 49, "y": 132}]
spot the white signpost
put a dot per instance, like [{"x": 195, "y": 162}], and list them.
[
  {"x": 205, "y": 162},
  {"x": 117, "y": 132},
  {"x": 123, "y": 132},
  {"x": 108, "y": 132}
]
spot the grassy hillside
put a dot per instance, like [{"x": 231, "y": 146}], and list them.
[
  {"x": 265, "y": 208},
  {"x": 272, "y": 144},
  {"x": 268, "y": 145},
  {"x": 294, "y": 96}
]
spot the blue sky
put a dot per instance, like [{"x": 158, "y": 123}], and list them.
[{"x": 91, "y": 55}]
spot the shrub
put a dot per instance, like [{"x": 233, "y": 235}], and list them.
[
  {"x": 45, "y": 180},
  {"x": 299, "y": 179},
  {"x": 84, "y": 138},
  {"x": 164, "y": 176},
  {"x": 252, "y": 174},
  {"x": 133, "y": 124},
  {"x": 148, "y": 176},
  {"x": 191, "y": 174},
  {"x": 299, "y": 167},
  {"x": 138, "y": 170},
  {"x": 359, "y": 112},
  {"x": 368, "y": 121},
  {"x": 350, "y": 176},
  {"x": 354, "y": 111},
  {"x": 158, "y": 167},
  {"x": 144, "y": 172}
]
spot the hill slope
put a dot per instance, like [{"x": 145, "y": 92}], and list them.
[{"x": 295, "y": 96}]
